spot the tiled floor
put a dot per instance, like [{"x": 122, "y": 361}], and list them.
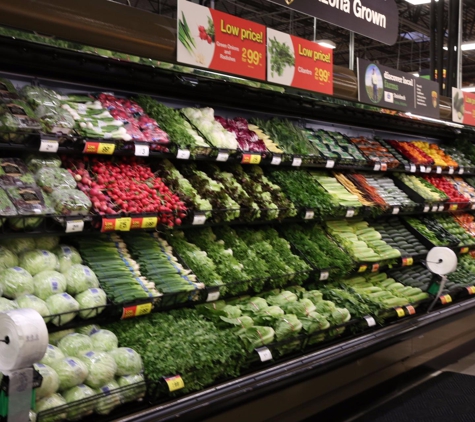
[{"x": 466, "y": 365}]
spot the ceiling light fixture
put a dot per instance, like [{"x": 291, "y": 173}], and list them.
[
  {"x": 326, "y": 43},
  {"x": 468, "y": 46},
  {"x": 418, "y": 2},
  {"x": 469, "y": 88},
  {"x": 416, "y": 74}
]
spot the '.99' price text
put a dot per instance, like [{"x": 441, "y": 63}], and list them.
[
  {"x": 252, "y": 57},
  {"x": 322, "y": 75}
]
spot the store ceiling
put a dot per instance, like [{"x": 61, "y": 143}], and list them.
[{"x": 409, "y": 54}]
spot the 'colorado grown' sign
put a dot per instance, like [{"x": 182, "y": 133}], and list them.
[{"x": 376, "y": 19}]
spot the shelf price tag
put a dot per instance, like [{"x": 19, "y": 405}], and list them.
[
  {"x": 422, "y": 169},
  {"x": 142, "y": 150},
  {"x": 472, "y": 254},
  {"x": 426, "y": 208},
  {"x": 108, "y": 224},
  {"x": 264, "y": 354},
  {"x": 350, "y": 212},
  {"x": 199, "y": 219},
  {"x": 451, "y": 170},
  {"x": 384, "y": 166},
  {"x": 74, "y": 226},
  {"x": 144, "y": 223},
  {"x": 49, "y": 145},
  {"x": 251, "y": 159},
  {"x": 441, "y": 208},
  {"x": 213, "y": 294},
  {"x": 438, "y": 170},
  {"x": 464, "y": 249},
  {"x": 370, "y": 320},
  {"x": 174, "y": 383},
  {"x": 136, "y": 310},
  {"x": 472, "y": 207},
  {"x": 453, "y": 207},
  {"x": 330, "y": 164},
  {"x": 471, "y": 290},
  {"x": 410, "y": 310},
  {"x": 183, "y": 154},
  {"x": 413, "y": 168},
  {"x": 99, "y": 148},
  {"x": 461, "y": 170},
  {"x": 395, "y": 210},
  {"x": 297, "y": 162},
  {"x": 362, "y": 268},
  {"x": 445, "y": 299},
  {"x": 407, "y": 261},
  {"x": 309, "y": 214},
  {"x": 434, "y": 208},
  {"x": 276, "y": 159},
  {"x": 400, "y": 312},
  {"x": 377, "y": 167},
  {"x": 222, "y": 156},
  {"x": 374, "y": 268},
  {"x": 428, "y": 169},
  {"x": 324, "y": 275},
  {"x": 118, "y": 224}
]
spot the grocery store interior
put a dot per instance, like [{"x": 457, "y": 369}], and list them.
[{"x": 237, "y": 210}]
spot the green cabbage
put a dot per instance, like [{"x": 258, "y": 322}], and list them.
[
  {"x": 101, "y": 367},
  {"x": 80, "y": 278},
  {"x": 287, "y": 326},
  {"x": 50, "y": 402},
  {"x": 132, "y": 387},
  {"x": 48, "y": 283},
  {"x": 71, "y": 372},
  {"x": 50, "y": 383},
  {"x": 64, "y": 304},
  {"x": 16, "y": 281},
  {"x": 314, "y": 322},
  {"x": 91, "y": 298},
  {"x": 313, "y": 295},
  {"x": 52, "y": 354},
  {"x": 89, "y": 330},
  {"x": 300, "y": 308},
  {"x": 76, "y": 409},
  {"x": 325, "y": 307},
  {"x": 104, "y": 341},
  {"x": 128, "y": 361},
  {"x": 20, "y": 245},
  {"x": 7, "y": 305},
  {"x": 48, "y": 242},
  {"x": 109, "y": 398},
  {"x": 67, "y": 256},
  {"x": 54, "y": 338},
  {"x": 33, "y": 302},
  {"x": 38, "y": 260},
  {"x": 75, "y": 344},
  {"x": 7, "y": 258},
  {"x": 255, "y": 304}
]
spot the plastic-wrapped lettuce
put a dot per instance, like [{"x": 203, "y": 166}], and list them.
[
  {"x": 89, "y": 330},
  {"x": 101, "y": 366},
  {"x": 48, "y": 283},
  {"x": 54, "y": 338},
  {"x": 52, "y": 178},
  {"x": 109, "y": 398},
  {"x": 55, "y": 120},
  {"x": 287, "y": 326},
  {"x": 70, "y": 202},
  {"x": 91, "y": 298},
  {"x": 283, "y": 298},
  {"x": 14, "y": 173},
  {"x": 16, "y": 115},
  {"x": 50, "y": 402},
  {"x": 39, "y": 260},
  {"x": 104, "y": 341},
  {"x": 52, "y": 354},
  {"x": 71, "y": 372},
  {"x": 6, "y": 205},
  {"x": 7, "y": 90},
  {"x": 20, "y": 245},
  {"x": 75, "y": 344},
  {"x": 35, "y": 162},
  {"x": 47, "y": 242},
  {"x": 77, "y": 399},
  {"x": 29, "y": 200},
  {"x": 7, "y": 305},
  {"x": 65, "y": 304},
  {"x": 80, "y": 278},
  {"x": 132, "y": 387},
  {"x": 50, "y": 383},
  {"x": 67, "y": 256},
  {"x": 128, "y": 361},
  {"x": 7, "y": 258},
  {"x": 16, "y": 281},
  {"x": 33, "y": 302},
  {"x": 37, "y": 95}
]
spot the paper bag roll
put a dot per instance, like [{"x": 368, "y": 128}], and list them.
[{"x": 26, "y": 339}]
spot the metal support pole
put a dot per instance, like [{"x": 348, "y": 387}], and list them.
[
  {"x": 452, "y": 45},
  {"x": 432, "y": 51},
  {"x": 440, "y": 46},
  {"x": 459, "y": 78},
  {"x": 314, "y": 29},
  {"x": 352, "y": 51}
]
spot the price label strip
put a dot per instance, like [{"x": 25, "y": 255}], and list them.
[
  {"x": 350, "y": 212},
  {"x": 99, "y": 148},
  {"x": 407, "y": 261},
  {"x": 445, "y": 299},
  {"x": 438, "y": 170},
  {"x": 142, "y": 150},
  {"x": 174, "y": 383},
  {"x": 441, "y": 208},
  {"x": 199, "y": 219},
  {"x": 374, "y": 268},
  {"x": 426, "y": 208},
  {"x": 471, "y": 290},
  {"x": 370, "y": 321},
  {"x": 453, "y": 207},
  {"x": 410, "y": 310},
  {"x": 434, "y": 208},
  {"x": 136, "y": 310},
  {"x": 143, "y": 223},
  {"x": 451, "y": 170},
  {"x": 183, "y": 154},
  {"x": 116, "y": 224},
  {"x": 309, "y": 215},
  {"x": 461, "y": 170},
  {"x": 49, "y": 145},
  {"x": 464, "y": 249},
  {"x": 362, "y": 268},
  {"x": 396, "y": 210},
  {"x": 213, "y": 294},
  {"x": 330, "y": 164},
  {"x": 297, "y": 162},
  {"x": 384, "y": 166},
  {"x": 251, "y": 159},
  {"x": 324, "y": 275},
  {"x": 472, "y": 207},
  {"x": 377, "y": 167},
  {"x": 264, "y": 354},
  {"x": 413, "y": 168},
  {"x": 222, "y": 156},
  {"x": 422, "y": 169},
  {"x": 74, "y": 226},
  {"x": 276, "y": 159},
  {"x": 428, "y": 169},
  {"x": 400, "y": 312}
]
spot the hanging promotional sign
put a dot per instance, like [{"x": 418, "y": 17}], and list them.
[
  {"x": 300, "y": 63},
  {"x": 463, "y": 107},
  {"x": 375, "y": 19},
  {"x": 218, "y": 41},
  {"x": 389, "y": 88}
]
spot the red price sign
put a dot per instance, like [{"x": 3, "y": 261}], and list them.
[
  {"x": 143, "y": 223},
  {"x": 251, "y": 159},
  {"x": 445, "y": 299},
  {"x": 463, "y": 107},
  {"x": 136, "y": 310},
  {"x": 98, "y": 148},
  {"x": 407, "y": 261},
  {"x": 471, "y": 290},
  {"x": 312, "y": 67},
  {"x": 215, "y": 40},
  {"x": 410, "y": 309}
]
